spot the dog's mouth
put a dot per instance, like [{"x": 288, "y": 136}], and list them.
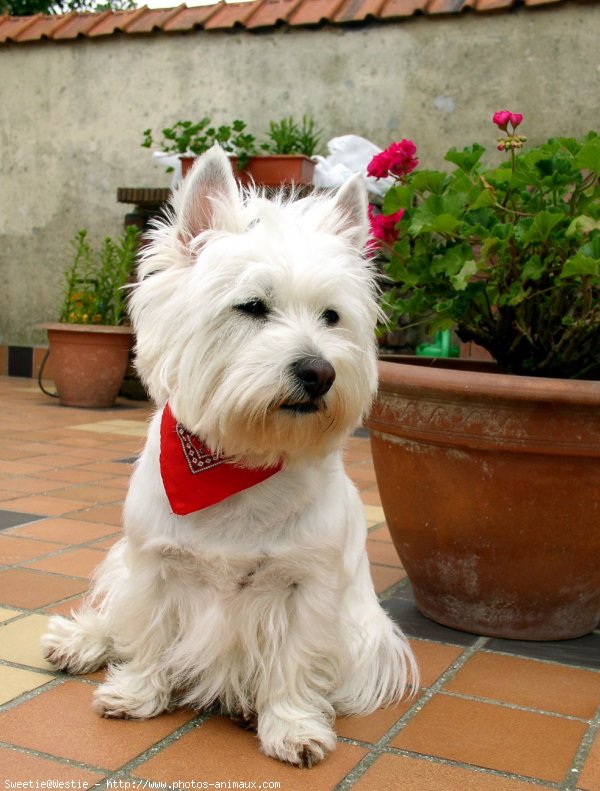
[{"x": 302, "y": 407}]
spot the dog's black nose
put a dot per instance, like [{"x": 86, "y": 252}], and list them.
[{"x": 315, "y": 374}]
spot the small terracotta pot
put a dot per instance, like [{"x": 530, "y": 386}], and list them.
[
  {"x": 88, "y": 362},
  {"x": 490, "y": 484},
  {"x": 268, "y": 171}
]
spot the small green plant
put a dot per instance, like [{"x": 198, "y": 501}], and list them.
[
  {"x": 187, "y": 137},
  {"x": 507, "y": 256},
  {"x": 194, "y": 138},
  {"x": 95, "y": 280},
  {"x": 289, "y": 137}
]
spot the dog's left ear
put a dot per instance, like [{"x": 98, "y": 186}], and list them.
[
  {"x": 209, "y": 197},
  {"x": 349, "y": 216}
]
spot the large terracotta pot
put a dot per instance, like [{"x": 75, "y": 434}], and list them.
[
  {"x": 274, "y": 170},
  {"x": 88, "y": 362},
  {"x": 490, "y": 485}
]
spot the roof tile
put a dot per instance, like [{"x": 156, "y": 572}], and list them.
[
  {"x": 221, "y": 15},
  {"x": 312, "y": 12},
  {"x": 153, "y": 19},
  {"x": 232, "y": 14},
  {"x": 357, "y": 10},
  {"x": 43, "y": 27},
  {"x": 188, "y": 18},
  {"x": 396, "y": 9},
  {"x": 11, "y": 26},
  {"x": 447, "y": 6},
  {"x": 270, "y": 12},
  {"x": 117, "y": 21},
  {"x": 493, "y": 5}
]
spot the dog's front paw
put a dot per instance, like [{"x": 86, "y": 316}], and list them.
[
  {"x": 302, "y": 743},
  {"x": 125, "y": 696},
  {"x": 69, "y": 647}
]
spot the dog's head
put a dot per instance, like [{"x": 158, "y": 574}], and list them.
[{"x": 255, "y": 318}]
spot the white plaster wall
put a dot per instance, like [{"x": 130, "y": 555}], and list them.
[{"x": 72, "y": 114}]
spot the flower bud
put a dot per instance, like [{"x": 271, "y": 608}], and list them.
[{"x": 501, "y": 119}]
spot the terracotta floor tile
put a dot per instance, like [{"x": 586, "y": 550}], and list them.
[
  {"x": 33, "y": 589},
  {"x": 58, "y": 461},
  {"x": 45, "y": 505},
  {"x": 21, "y": 467},
  {"x": 224, "y": 751},
  {"x": 65, "y": 531},
  {"x": 22, "y": 767},
  {"x": 14, "y": 681},
  {"x": 75, "y": 475},
  {"x": 381, "y": 534},
  {"x": 90, "y": 494},
  {"x": 494, "y": 737},
  {"x": 565, "y": 690},
  {"x": 14, "y": 549},
  {"x": 401, "y": 773},
  {"x": 371, "y": 496},
  {"x": 73, "y": 563},
  {"x": 108, "y": 514},
  {"x": 82, "y": 735},
  {"x": 385, "y": 576},
  {"x": 32, "y": 485},
  {"x": 108, "y": 542},
  {"x": 108, "y": 468},
  {"x": 66, "y": 608},
  {"x": 20, "y": 641},
  {"x": 433, "y": 659},
  {"x": 590, "y": 776},
  {"x": 372, "y": 727},
  {"x": 382, "y": 553}
]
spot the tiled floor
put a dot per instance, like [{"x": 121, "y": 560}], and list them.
[{"x": 491, "y": 715}]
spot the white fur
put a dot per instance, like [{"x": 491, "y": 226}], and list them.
[{"x": 263, "y": 602}]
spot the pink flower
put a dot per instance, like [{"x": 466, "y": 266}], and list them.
[
  {"x": 379, "y": 166},
  {"x": 402, "y": 158},
  {"x": 515, "y": 119},
  {"x": 501, "y": 119},
  {"x": 383, "y": 227},
  {"x": 398, "y": 160}
]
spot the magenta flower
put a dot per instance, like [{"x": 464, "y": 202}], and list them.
[
  {"x": 398, "y": 160},
  {"x": 515, "y": 119},
  {"x": 379, "y": 166},
  {"x": 501, "y": 119},
  {"x": 383, "y": 227}
]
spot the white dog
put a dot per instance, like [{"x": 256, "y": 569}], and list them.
[{"x": 243, "y": 577}]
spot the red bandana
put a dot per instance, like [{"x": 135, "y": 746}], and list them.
[{"x": 193, "y": 476}]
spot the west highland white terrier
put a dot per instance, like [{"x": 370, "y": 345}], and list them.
[{"x": 243, "y": 578}]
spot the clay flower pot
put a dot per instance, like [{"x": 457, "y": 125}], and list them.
[
  {"x": 490, "y": 484},
  {"x": 89, "y": 362},
  {"x": 273, "y": 171}
]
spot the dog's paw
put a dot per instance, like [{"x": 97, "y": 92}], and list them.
[
  {"x": 303, "y": 743},
  {"x": 66, "y": 646},
  {"x": 123, "y": 697}
]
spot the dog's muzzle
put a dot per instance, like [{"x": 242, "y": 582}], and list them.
[{"x": 313, "y": 377}]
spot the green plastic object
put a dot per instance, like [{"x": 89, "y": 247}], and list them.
[{"x": 441, "y": 346}]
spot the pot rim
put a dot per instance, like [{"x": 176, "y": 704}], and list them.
[
  {"x": 406, "y": 375},
  {"x": 113, "y": 329}
]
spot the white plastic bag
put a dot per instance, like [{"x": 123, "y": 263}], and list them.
[{"x": 349, "y": 154}]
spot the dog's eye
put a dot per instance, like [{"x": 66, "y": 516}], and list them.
[
  {"x": 331, "y": 317},
  {"x": 254, "y": 307}
]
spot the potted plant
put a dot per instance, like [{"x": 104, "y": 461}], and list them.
[
  {"x": 489, "y": 478},
  {"x": 287, "y": 150},
  {"x": 89, "y": 346}
]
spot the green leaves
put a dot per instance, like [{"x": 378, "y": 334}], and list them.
[{"x": 509, "y": 255}]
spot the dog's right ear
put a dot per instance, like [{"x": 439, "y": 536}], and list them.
[{"x": 209, "y": 198}]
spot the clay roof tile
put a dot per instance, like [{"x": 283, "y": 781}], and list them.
[
  {"x": 357, "y": 10},
  {"x": 188, "y": 18},
  {"x": 12, "y": 26},
  {"x": 231, "y": 14},
  {"x": 270, "y": 12},
  {"x": 312, "y": 12}
]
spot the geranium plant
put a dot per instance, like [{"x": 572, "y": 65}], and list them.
[
  {"x": 507, "y": 256},
  {"x": 95, "y": 280}
]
